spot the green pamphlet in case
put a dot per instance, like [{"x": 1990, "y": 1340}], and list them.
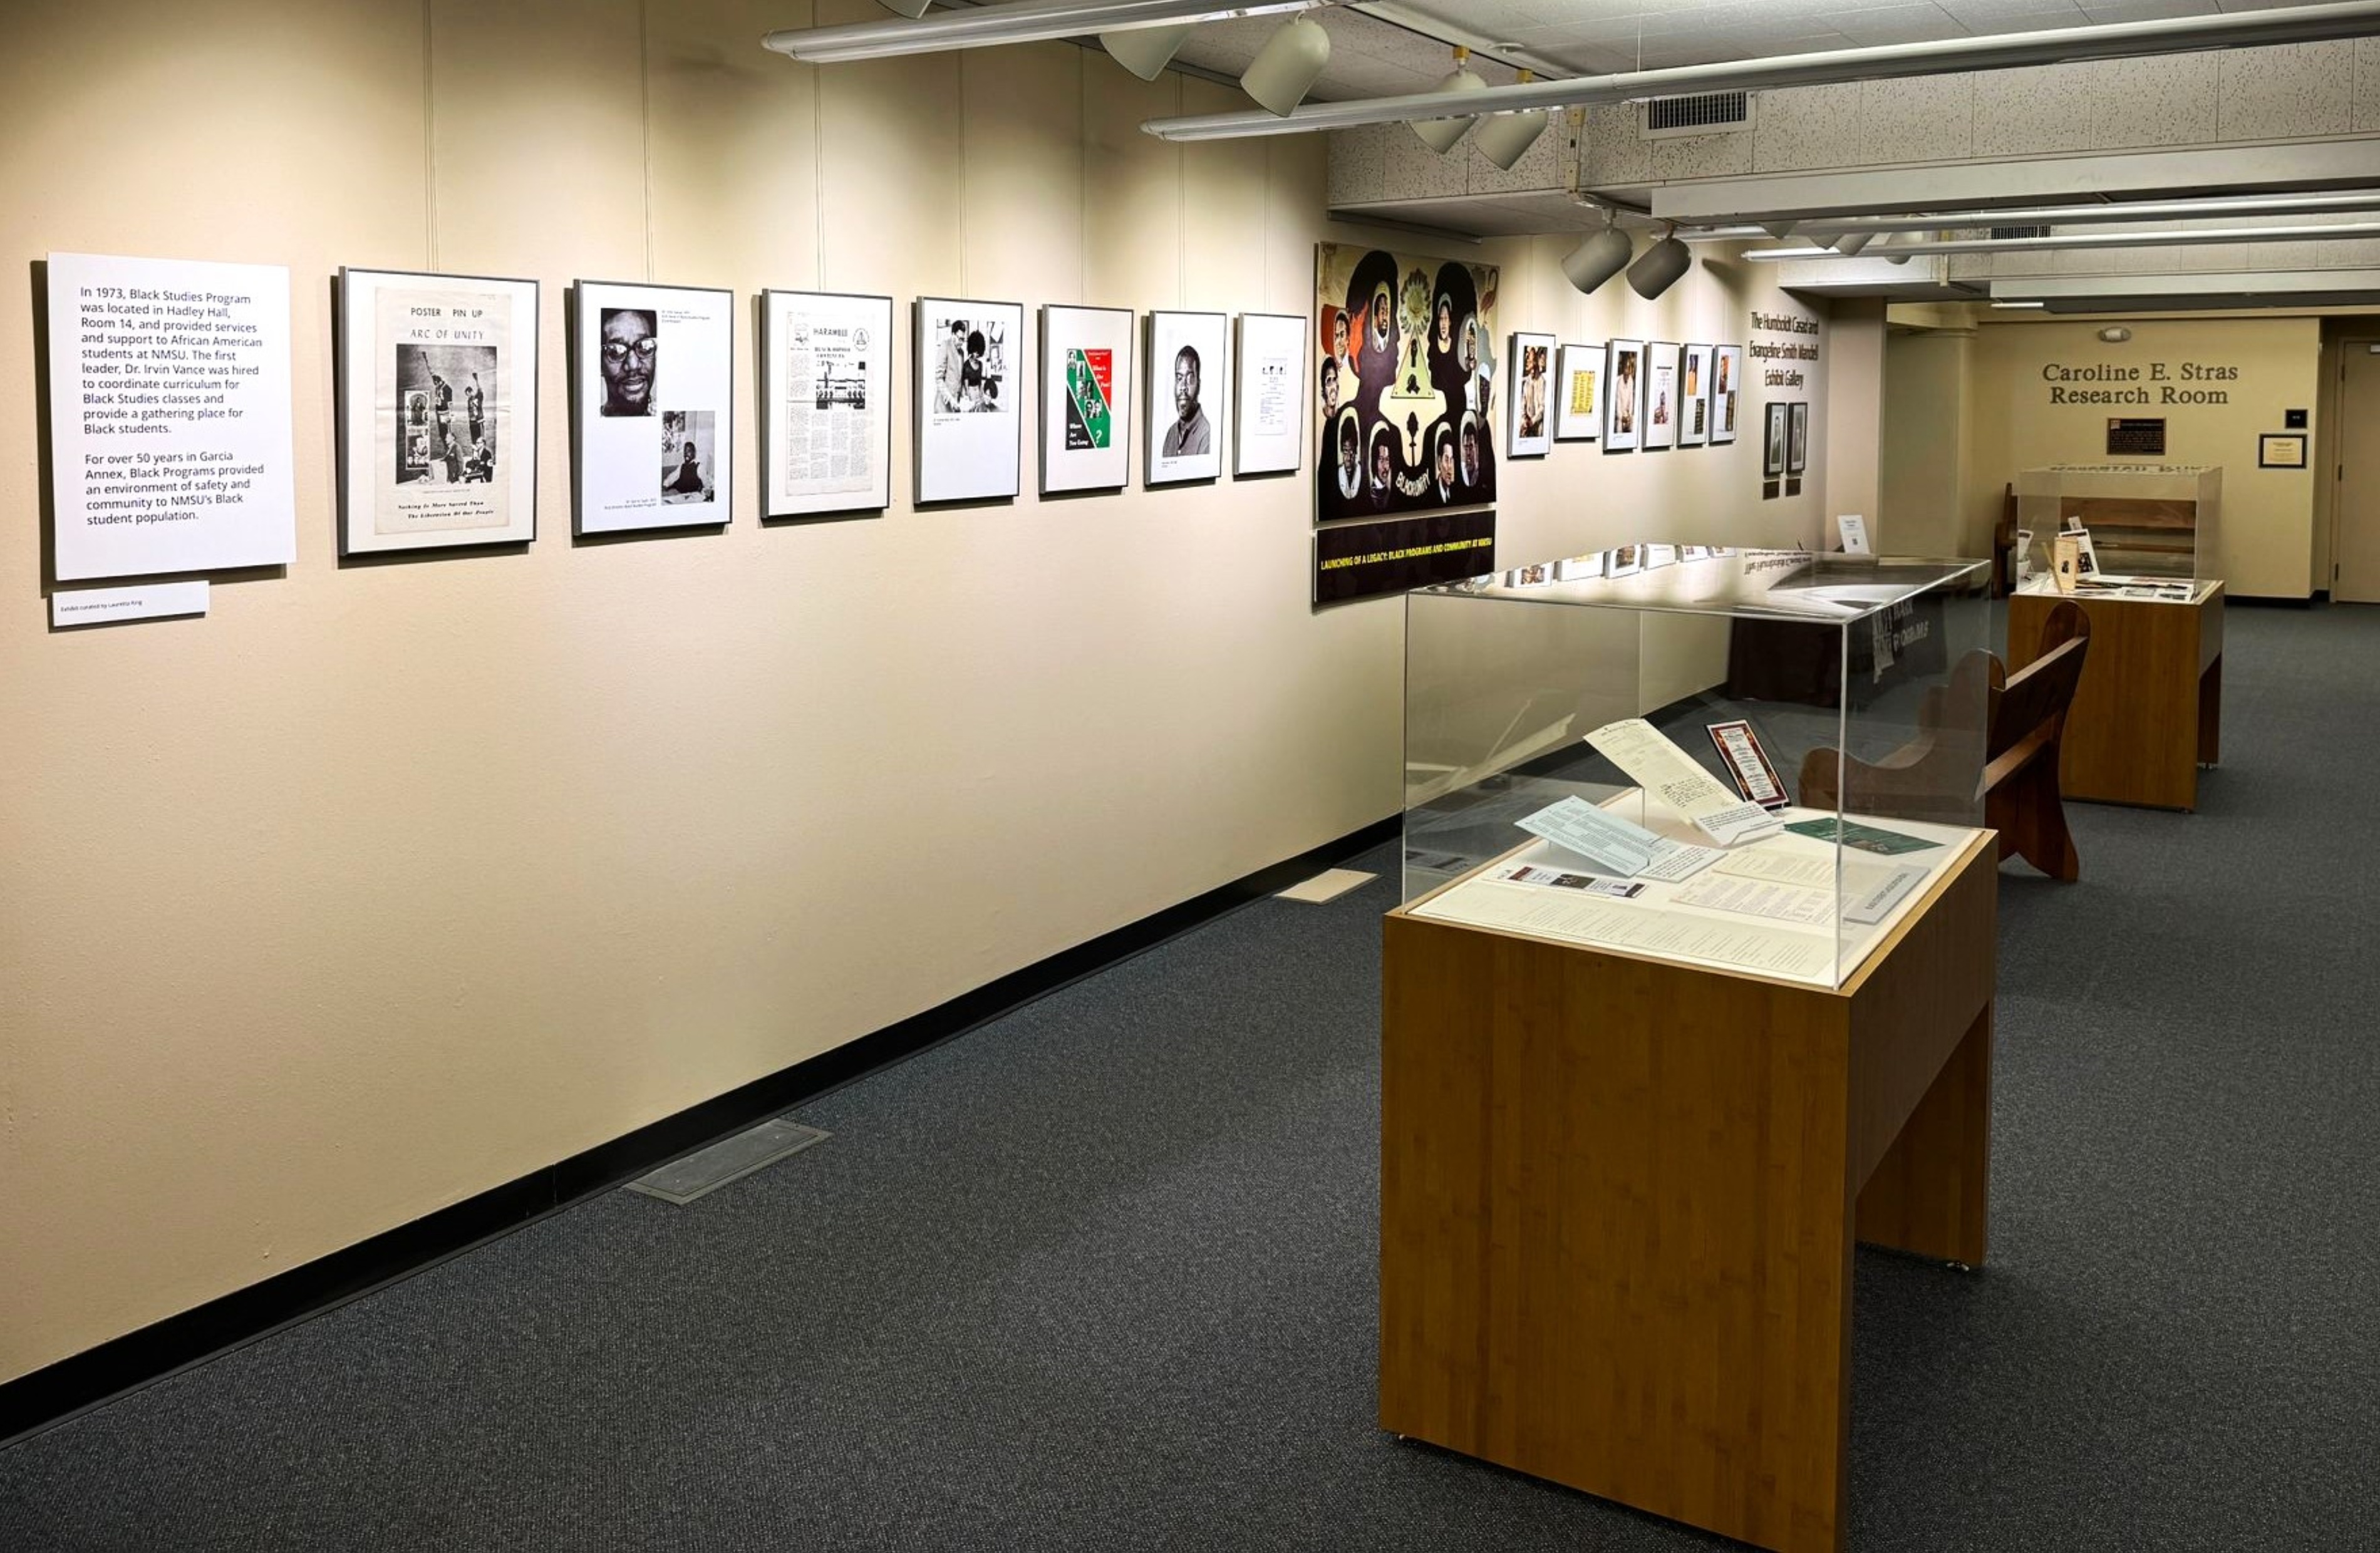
[{"x": 1864, "y": 838}]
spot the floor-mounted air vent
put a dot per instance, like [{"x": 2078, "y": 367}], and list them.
[
  {"x": 1707, "y": 113},
  {"x": 2000, "y": 231},
  {"x": 706, "y": 1171}
]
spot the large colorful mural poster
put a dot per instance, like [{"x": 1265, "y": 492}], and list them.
[{"x": 1406, "y": 385}]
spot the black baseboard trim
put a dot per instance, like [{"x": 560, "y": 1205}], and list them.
[{"x": 51, "y": 1395}]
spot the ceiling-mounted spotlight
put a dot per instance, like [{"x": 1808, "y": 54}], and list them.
[
  {"x": 1506, "y": 138},
  {"x": 912, "y": 8},
  {"x": 2115, "y": 333},
  {"x": 1440, "y": 134},
  {"x": 1781, "y": 230},
  {"x": 1852, "y": 242},
  {"x": 1663, "y": 265},
  {"x": 1144, "y": 50},
  {"x": 1289, "y": 65},
  {"x": 1598, "y": 259}
]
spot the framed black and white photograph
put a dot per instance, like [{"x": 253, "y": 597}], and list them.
[
  {"x": 1268, "y": 403},
  {"x": 1188, "y": 371},
  {"x": 1772, "y": 461},
  {"x": 1529, "y": 402},
  {"x": 1797, "y": 438},
  {"x": 1694, "y": 396},
  {"x": 437, "y": 389},
  {"x": 1660, "y": 397},
  {"x": 1627, "y": 561},
  {"x": 1579, "y": 394},
  {"x": 826, "y": 403},
  {"x": 1727, "y": 384},
  {"x": 652, "y": 385},
  {"x": 1623, "y": 396},
  {"x": 969, "y": 430},
  {"x": 1086, "y": 399}
]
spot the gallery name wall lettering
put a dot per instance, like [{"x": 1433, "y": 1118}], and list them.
[
  {"x": 170, "y": 421},
  {"x": 1787, "y": 350},
  {"x": 2153, "y": 383}
]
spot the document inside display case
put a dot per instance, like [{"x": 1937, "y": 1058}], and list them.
[{"x": 1790, "y": 904}]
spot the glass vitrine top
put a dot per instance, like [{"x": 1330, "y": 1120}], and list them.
[{"x": 1756, "y": 583}]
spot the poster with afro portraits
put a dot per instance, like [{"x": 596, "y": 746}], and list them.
[{"x": 1405, "y": 383}]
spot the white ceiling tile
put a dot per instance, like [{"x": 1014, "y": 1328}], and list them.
[
  {"x": 1900, "y": 24},
  {"x": 2100, "y": 12}
]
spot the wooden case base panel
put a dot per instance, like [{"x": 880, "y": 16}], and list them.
[
  {"x": 1618, "y": 1199},
  {"x": 2149, "y": 711}
]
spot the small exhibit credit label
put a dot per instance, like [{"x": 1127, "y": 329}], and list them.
[{"x": 101, "y": 606}]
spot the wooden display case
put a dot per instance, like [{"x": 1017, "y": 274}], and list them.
[
  {"x": 2148, "y": 712},
  {"x": 1620, "y": 1195}
]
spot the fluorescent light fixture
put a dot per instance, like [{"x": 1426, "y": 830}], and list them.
[
  {"x": 1504, "y": 138},
  {"x": 1663, "y": 265},
  {"x": 1288, "y": 66},
  {"x": 1144, "y": 50},
  {"x": 2292, "y": 24},
  {"x": 2066, "y": 241},
  {"x": 1016, "y": 21},
  {"x": 1440, "y": 134},
  {"x": 2015, "y": 306},
  {"x": 2105, "y": 212},
  {"x": 1598, "y": 259}
]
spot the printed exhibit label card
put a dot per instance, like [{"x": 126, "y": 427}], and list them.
[
  {"x": 170, "y": 436},
  {"x": 105, "y": 606}
]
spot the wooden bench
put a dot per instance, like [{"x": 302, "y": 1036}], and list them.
[{"x": 2024, "y": 720}]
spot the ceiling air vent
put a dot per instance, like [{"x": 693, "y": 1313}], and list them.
[
  {"x": 2001, "y": 232},
  {"x": 1707, "y": 113}
]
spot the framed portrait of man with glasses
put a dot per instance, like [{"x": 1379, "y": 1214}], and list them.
[{"x": 652, "y": 401}]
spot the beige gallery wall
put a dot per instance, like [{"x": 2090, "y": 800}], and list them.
[
  {"x": 2267, "y": 541},
  {"x": 389, "y": 883}
]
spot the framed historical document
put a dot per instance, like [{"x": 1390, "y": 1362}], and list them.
[
  {"x": 1187, "y": 373},
  {"x": 2281, "y": 450},
  {"x": 1528, "y": 404},
  {"x": 1623, "y": 396},
  {"x": 1578, "y": 395},
  {"x": 652, "y": 406},
  {"x": 1269, "y": 398},
  {"x": 437, "y": 391},
  {"x": 1086, "y": 399},
  {"x": 1627, "y": 561},
  {"x": 1726, "y": 383},
  {"x": 1693, "y": 396},
  {"x": 969, "y": 433},
  {"x": 1772, "y": 461},
  {"x": 1660, "y": 397},
  {"x": 1797, "y": 438},
  {"x": 826, "y": 403}
]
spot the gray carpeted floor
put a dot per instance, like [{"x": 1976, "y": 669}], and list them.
[{"x": 1100, "y": 1276}]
